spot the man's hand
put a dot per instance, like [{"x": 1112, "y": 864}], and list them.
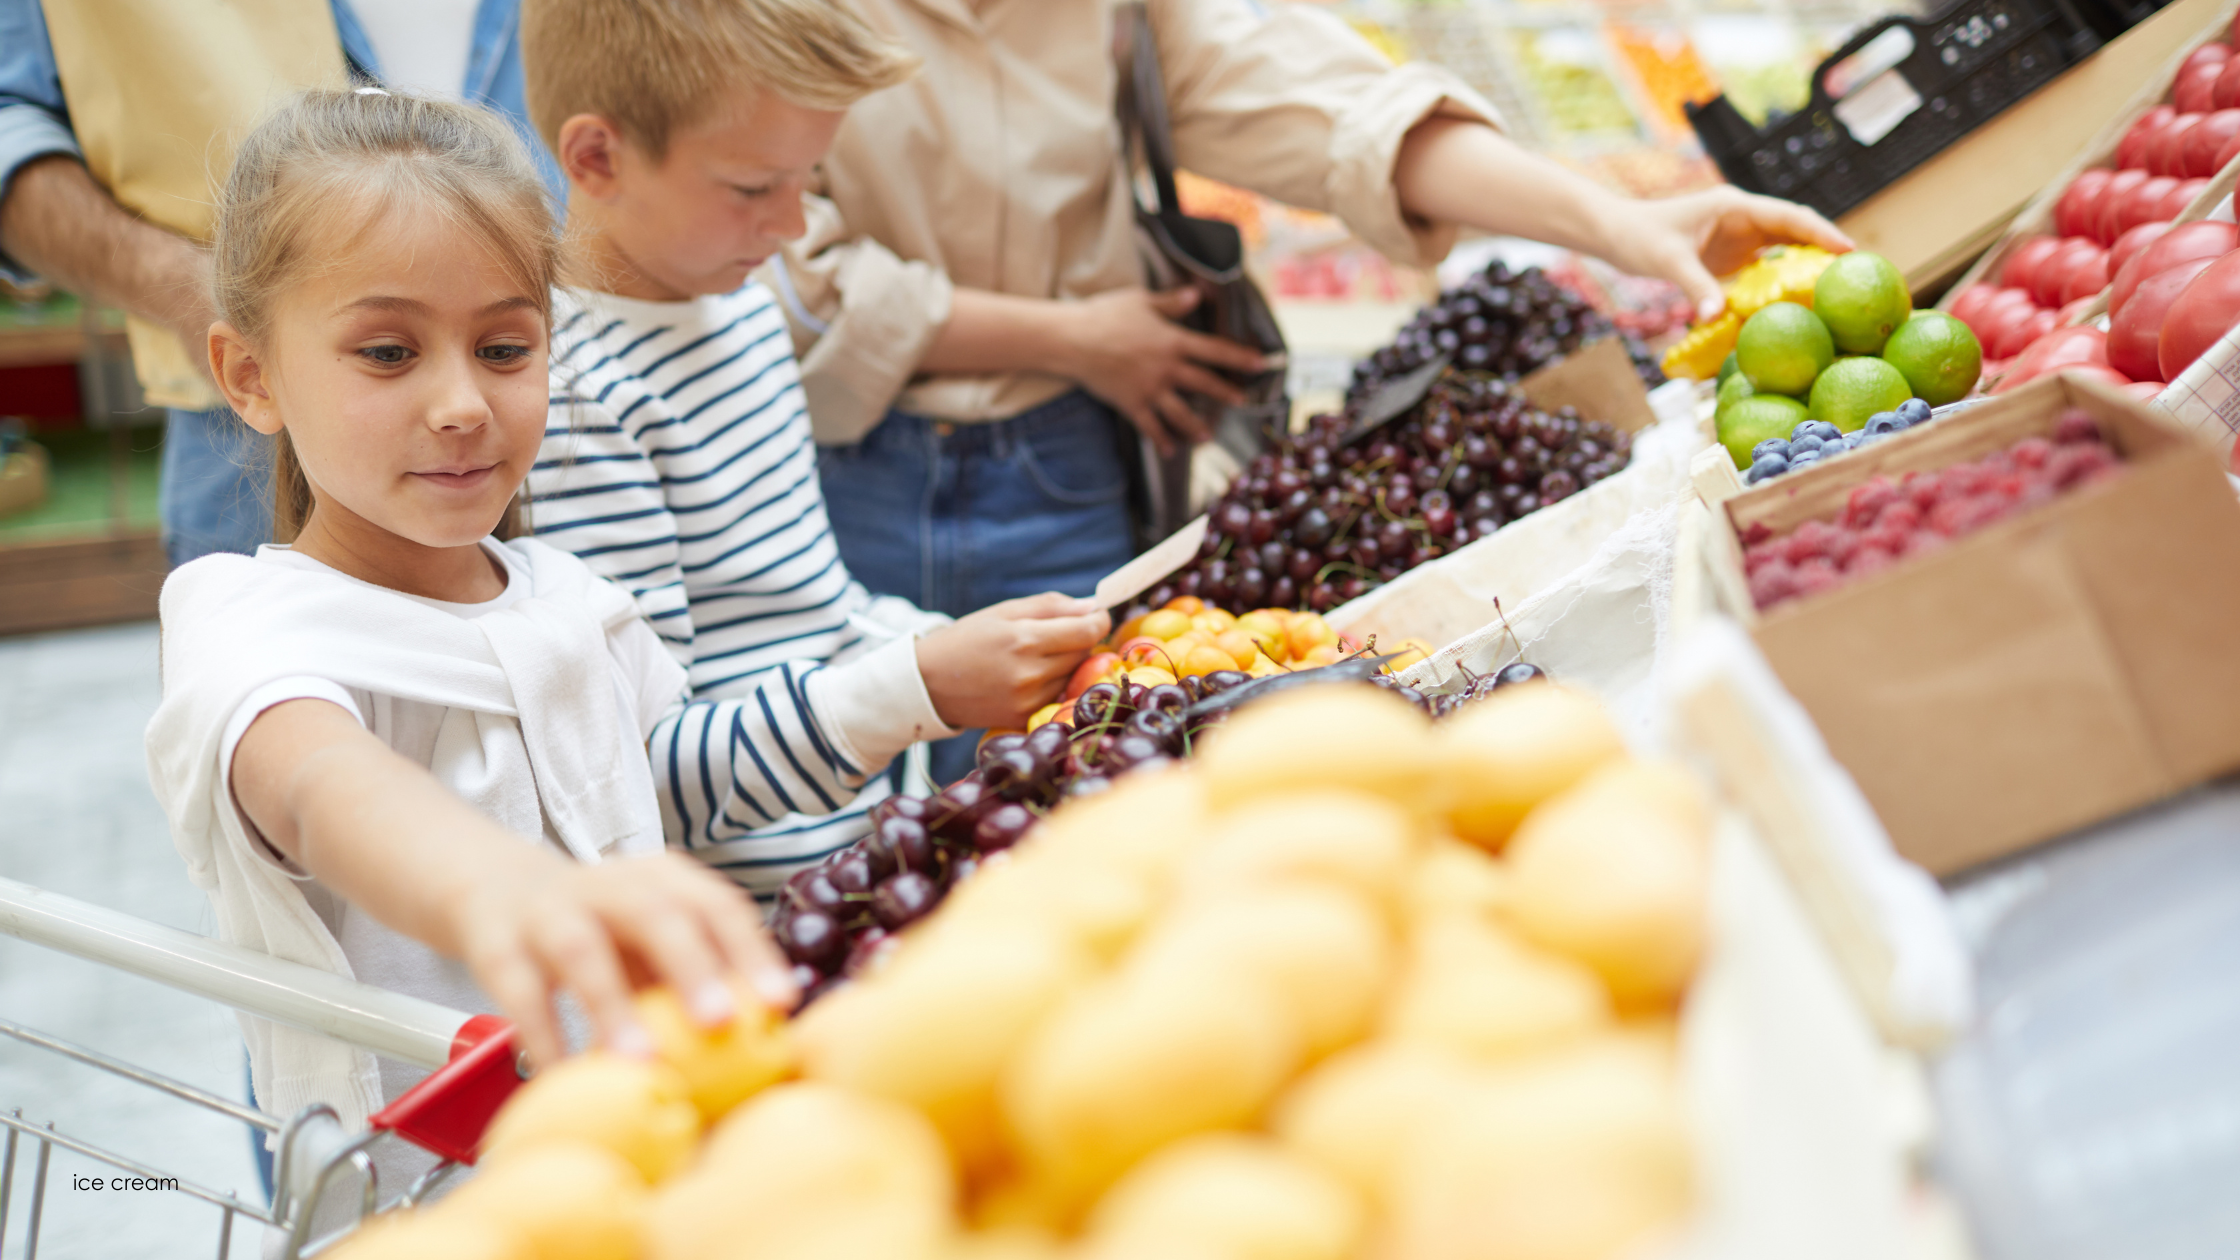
[
  {"x": 58, "y": 222},
  {"x": 997, "y": 666},
  {"x": 1125, "y": 347}
]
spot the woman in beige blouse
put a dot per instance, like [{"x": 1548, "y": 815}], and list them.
[{"x": 969, "y": 304}]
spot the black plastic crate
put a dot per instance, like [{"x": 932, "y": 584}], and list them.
[{"x": 1963, "y": 68}]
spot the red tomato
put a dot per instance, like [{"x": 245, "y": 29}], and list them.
[
  {"x": 2086, "y": 276},
  {"x": 2071, "y": 312},
  {"x": 2143, "y": 204},
  {"x": 2056, "y": 351},
  {"x": 2206, "y": 140},
  {"x": 2230, "y": 150},
  {"x": 2003, "y": 328},
  {"x": 2019, "y": 336},
  {"x": 2045, "y": 283},
  {"x": 2196, "y": 84},
  {"x": 1969, "y": 304},
  {"x": 2104, "y": 215},
  {"x": 2131, "y": 151},
  {"x": 2022, "y": 266},
  {"x": 2164, "y": 155},
  {"x": 2179, "y": 244},
  {"x": 2132, "y": 242},
  {"x": 2204, "y": 311},
  {"x": 2069, "y": 211},
  {"x": 2135, "y": 334},
  {"x": 2180, "y": 198},
  {"x": 2207, "y": 52}
]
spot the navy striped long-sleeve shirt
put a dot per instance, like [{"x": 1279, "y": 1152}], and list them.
[{"x": 677, "y": 461}]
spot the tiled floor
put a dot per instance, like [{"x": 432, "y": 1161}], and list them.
[{"x": 77, "y": 817}]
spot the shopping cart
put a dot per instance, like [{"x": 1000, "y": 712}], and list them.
[{"x": 320, "y": 1170}]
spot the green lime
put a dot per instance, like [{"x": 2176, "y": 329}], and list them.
[
  {"x": 1782, "y": 348},
  {"x": 1727, "y": 367},
  {"x": 1847, "y": 394},
  {"x": 1733, "y": 390},
  {"x": 1752, "y": 420},
  {"x": 1938, "y": 355},
  {"x": 1862, "y": 299}
]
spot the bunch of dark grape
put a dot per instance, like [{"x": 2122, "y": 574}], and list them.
[
  {"x": 1474, "y": 687},
  {"x": 1312, "y": 524},
  {"x": 1508, "y": 324},
  {"x": 833, "y": 919}
]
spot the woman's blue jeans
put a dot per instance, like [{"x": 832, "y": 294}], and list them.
[{"x": 954, "y": 517}]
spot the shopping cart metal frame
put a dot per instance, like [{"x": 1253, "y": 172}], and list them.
[{"x": 474, "y": 1067}]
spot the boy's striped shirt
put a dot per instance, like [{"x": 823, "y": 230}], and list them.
[{"x": 677, "y": 461}]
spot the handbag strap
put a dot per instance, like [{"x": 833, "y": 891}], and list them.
[{"x": 1142, "y": 101}]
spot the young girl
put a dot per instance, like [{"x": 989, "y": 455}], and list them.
[{"x": 397, "y": 746}]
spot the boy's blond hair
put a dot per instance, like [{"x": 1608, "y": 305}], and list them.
[{"x": 651, "y": 66}]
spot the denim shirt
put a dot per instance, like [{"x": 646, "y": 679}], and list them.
[{"x": 35, "y": 120}]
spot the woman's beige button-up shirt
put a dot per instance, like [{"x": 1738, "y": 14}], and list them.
[{"x": 999, "y": 167}]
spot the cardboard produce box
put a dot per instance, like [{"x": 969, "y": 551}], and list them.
[
  {"x": 2058, "y": 667},
  {"x": 1935, "y": 221}
]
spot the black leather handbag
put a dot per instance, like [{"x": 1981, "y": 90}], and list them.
[{"x": 1208, "y": 254}]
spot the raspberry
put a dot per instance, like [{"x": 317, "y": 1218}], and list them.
[
  {"x": 1810, "y": 540},
  {"x": 2032, "y": 452},
  {"x": 1902, "y": 516},
  {"x": 1868, "y": 559},
  {"x": 1773, "y": 582},
  {"x": 2076, "y": 427},
  {"x": 1886, "y": 538},
  {"x": 1925, "y": 542},
  {"x": 1815, "y": 576},
  {"x": 1757, "y": 532},
  {"x": 2073, "y": 463},
  {"x": 1841, "y": 543},
  {"x": 1867, "y": 501},
  {"x": 1758, "y": 556},
  {"x": 1924, "y": 491}
]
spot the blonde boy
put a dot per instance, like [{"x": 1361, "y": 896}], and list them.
[{"x": 677, "y": 458}]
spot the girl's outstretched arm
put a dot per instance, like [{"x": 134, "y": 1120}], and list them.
[
  {"x": 1452, "y": 171},
  {"x": 386, "y": 835}
]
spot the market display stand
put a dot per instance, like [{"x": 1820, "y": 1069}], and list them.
[
  {"x": 103, "y": 572},
  {"x": 1939, "y": 218}
]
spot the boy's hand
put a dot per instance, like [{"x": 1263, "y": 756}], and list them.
[
  {"x": 1125, "y": 348},
  {"x": 1691, "y": 240},
  {"x": 601, "y": 932},
  {"x": 997, "y": 666}
]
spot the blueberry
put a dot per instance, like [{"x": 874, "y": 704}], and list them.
[
  {"x": 1808, "y": 458},
  {"x": 1810, "y": 443},
  {"x": 1770, "y": 466},
  {"x": 1771, "y": 446},
  {"x": 1884, "y": 423},
  {"x": 1825, "y": 431},
  {"x": 1913, "y": 410},
  {"x": 1803, "y": 427}
]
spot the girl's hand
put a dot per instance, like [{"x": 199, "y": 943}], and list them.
[
  {"x": 1691, "y": 240},
  {"x": 602, "y": 932},
  {"x": 997, "y": 666},
  {"x": 395, "y": 842},
  {"x": 1125, "y": 348}
]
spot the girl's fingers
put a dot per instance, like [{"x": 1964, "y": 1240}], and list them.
[
  {"x": 730, "y": 920},
  {"x": 515, "y": 982},
  {"x": 682, "y": 955},
  {"x": 575, "y": 948}
]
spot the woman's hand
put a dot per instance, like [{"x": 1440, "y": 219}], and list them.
[
  {"x": 602, "y": 932},
  {"x": 1693, "y": 239},
  {"x": 997, "y": 666},
  {"x": 1125, "y": 348},
  {"x": 398, "y": 844}
]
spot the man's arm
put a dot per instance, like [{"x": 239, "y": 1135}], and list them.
[{"x": 61, "y": 224}]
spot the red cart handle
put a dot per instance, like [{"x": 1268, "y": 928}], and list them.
[{"x": 447, "y": 1112}]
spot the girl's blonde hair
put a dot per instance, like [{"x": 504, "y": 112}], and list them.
[{"x": 328, "y": 166}]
